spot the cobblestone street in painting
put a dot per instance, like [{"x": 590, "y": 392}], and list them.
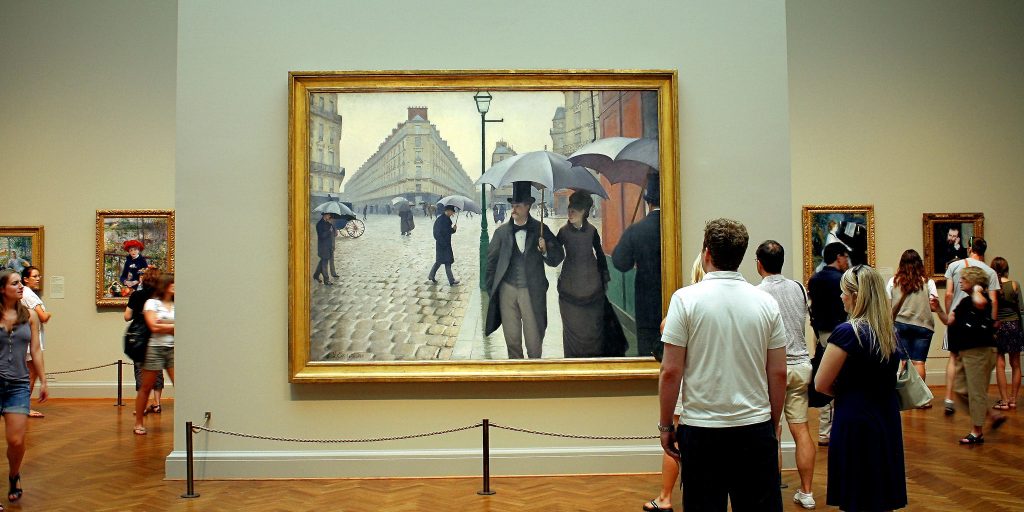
[{"x": 383, "y": 308}]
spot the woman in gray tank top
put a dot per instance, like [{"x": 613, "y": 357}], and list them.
[{"x": 19, "y": 334}]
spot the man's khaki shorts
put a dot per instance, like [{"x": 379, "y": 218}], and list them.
[{"x": 798, "y": 376}]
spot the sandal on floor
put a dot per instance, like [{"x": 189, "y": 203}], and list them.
[
  {"x": 972, "y": 439},
  {"x": 155, "y": 408},
  {"x": 140, "y": 431},
  {"x": 1001, "y": 405},
  {"x": 14, "y": 493},
  {"x": 948, "y": 406},
  {"x": 35, "y": 414},
  {"x": 652, "y": 506},
  {"x": 1011, "y": 405}
]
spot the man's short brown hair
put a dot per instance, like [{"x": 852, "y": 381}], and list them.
[{"x": 726, "y": 242}]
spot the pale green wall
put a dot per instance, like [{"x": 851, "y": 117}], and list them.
[
  {"x": 232, "y": 113},
  {"x": 86, "y": 123},
  {"x": 913, "y": 106}
]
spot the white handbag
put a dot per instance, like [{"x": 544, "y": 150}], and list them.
[{"x": 911, "y": 391}]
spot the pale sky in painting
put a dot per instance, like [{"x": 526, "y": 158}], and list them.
[{"x": 368, "y": 119}]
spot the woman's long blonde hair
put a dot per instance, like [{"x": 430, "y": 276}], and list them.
[
  {"x": 697, "y": 272},
  {"x": 871, "y": 306}
]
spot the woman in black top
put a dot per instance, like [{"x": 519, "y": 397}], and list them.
[{"x": 136, "y": 301}]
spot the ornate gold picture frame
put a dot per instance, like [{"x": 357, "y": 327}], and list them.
[
  {"x": 947, "y": 237},
  {"x": 21, "y": 247},
  {"x": 128, "y": 241},
  {"x": 850, "y": 224},
  {"x": 366, "y": 325}
]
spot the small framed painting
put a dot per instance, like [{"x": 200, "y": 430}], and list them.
[
  {"x": 947, "y": 237},
  {"x": 850, "y": 225},
  {"x": 128, "y": 242}
]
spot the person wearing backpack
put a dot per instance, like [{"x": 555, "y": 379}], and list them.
[{"x": 971, "y": 338}]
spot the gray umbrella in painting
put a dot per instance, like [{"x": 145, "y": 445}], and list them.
[
  {"x": 546, "y": 170},
  {"x": 336, "y": 208},
  {"x": 399, "y": 199},
  {"x": 460, "y": 202},
  {"x": 620, "y": 159}
]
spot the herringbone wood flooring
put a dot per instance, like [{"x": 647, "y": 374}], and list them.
[{"x": 83, "y": 456}]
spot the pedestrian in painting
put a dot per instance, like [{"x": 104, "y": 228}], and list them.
[
  {"x": 640, "y": 248},
  {"x": 582, "y": 281},
  {"x": 515, "y": 276},
  {"x": 365, "y": 206},
  {"x": 132, "y": 265},
  {"x": 494, "y": 212},
  {"x": 21, "y": 327},
  {"x": 443, "y": 255},
  {"x": 406, "y": 223},
  {"x": 325, "y": 233}
]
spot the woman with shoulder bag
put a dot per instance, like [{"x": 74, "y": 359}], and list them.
[
  {"x": 866, "y": 469},
  {"x": 1009, "y": 337},
  {"x": 159, "y": 314},
  {"x": 910, "y": 293},
  {"x": 971, "y": 338},
  {"x": 133, "y": 313}
]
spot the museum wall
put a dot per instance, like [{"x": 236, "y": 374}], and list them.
[
  {"x": 913, "y": 107},
  {"x": 86, "y": 123},
  {"x": 231, "y": 157}
]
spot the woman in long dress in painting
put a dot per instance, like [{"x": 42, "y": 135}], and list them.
[{"x": 581, "y": 284}]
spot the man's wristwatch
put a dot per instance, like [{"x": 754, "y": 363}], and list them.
[{"x": 666, "y": 428}]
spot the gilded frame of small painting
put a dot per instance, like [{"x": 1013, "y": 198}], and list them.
[
  {"x": 127, "y": 241},
  {"x": 946, "y": 238},
  {"x": 850, "y": 224}
]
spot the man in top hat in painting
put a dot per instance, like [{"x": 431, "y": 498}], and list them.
[
  {"x": 133, "y": 265},
  {"x": 515, "y": 276},
  {"x": 640, "y": 247}
]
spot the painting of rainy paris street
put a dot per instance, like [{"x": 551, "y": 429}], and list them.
[{"x": 483, "y": 225}]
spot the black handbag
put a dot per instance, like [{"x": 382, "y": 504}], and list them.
[
  {"x": 136, "y": 340},
  {"x": 814, "y": 397}
]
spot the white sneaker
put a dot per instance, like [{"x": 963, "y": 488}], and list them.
[{"x": 805, "y": 500}]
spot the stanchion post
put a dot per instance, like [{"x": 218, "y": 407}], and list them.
[
  {"x": 190, "y": 483},
  {"x": 120, "y": 384},
  {"x": 487, "y": 459}
]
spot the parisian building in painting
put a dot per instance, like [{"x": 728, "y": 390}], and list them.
[
  {"x": 413, "y": 161},
  {"x": 325, "y": 173}
]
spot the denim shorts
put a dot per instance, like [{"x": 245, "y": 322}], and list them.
[
  {"x": 916, "y": 339},
  {"x": 14, "y": 397}
]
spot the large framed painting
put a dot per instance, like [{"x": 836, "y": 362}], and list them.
[
  {"x": 481, "y": 225},
  {"x": 947, "y": 236},
  {"x": 21, "y": 247},
  {"x": 850, "y": 225},
  {"x": 127, "y": 243}
]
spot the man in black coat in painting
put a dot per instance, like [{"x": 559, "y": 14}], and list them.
[
  {"x": 515, "y": 276},
  {"x": 640, "y": 247},
  {"x": 443, "y": 254},
  {"x": 325, "y": 234}
]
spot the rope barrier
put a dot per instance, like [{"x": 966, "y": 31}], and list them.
[
  {"x": 84, "y": 369},
  {"x": 575, "y": 436},
  {"x": 197, "y": 428},
  {"x": 191, "y": 429}
]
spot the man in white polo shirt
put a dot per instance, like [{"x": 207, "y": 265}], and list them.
[{"x": 725, "y": 344}]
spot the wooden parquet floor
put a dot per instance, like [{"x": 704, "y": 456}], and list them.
[{"x": 84, "y": 457}]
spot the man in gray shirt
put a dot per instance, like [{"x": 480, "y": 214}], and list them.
[{"x": 792, "y": 301}]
